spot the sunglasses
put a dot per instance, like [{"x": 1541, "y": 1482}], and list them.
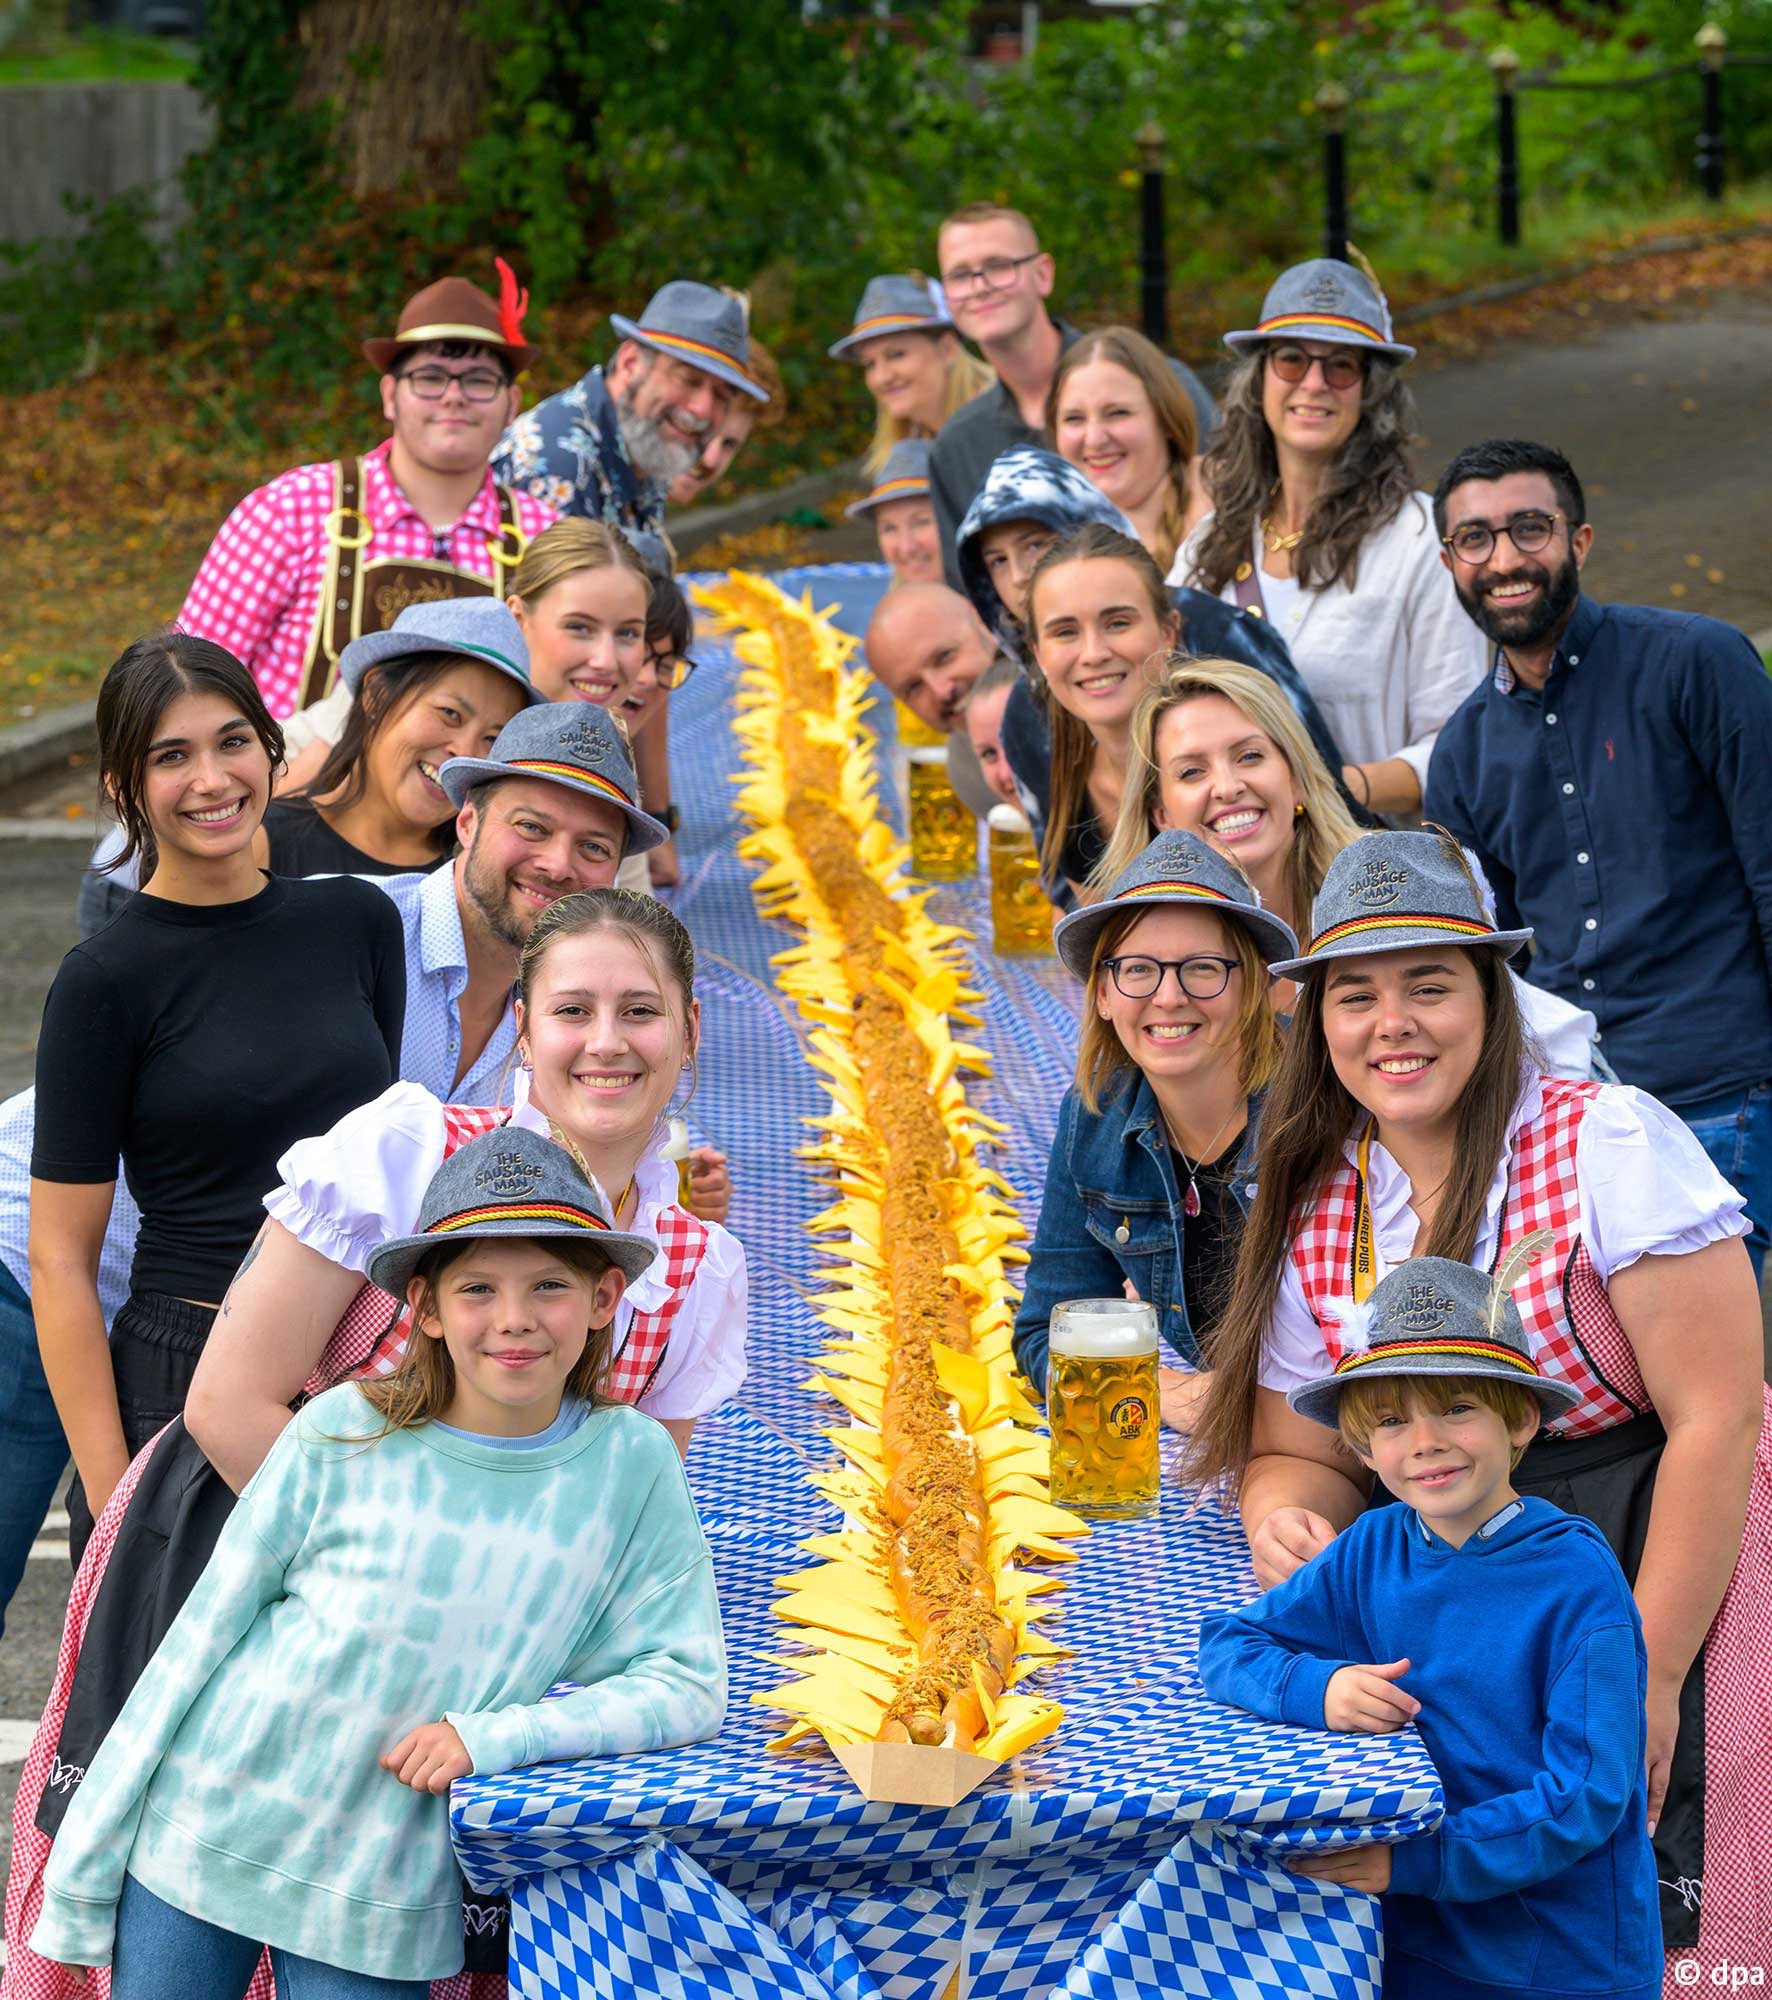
[{"x": 1293, "y": 364}]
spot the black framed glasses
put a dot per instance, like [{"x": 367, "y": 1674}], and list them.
[
  {"x": 1202, "y": 977},
  {"x": 671, "y": 669},
  {"x": 1293, "y": 364},
  {"x": 478, "y": 385},
  {"x": 1529, "y": 532},
  {"x": 995, "y": 274}
]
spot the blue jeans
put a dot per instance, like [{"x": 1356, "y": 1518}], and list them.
[
  {"x": 161, "y": 1951},
  {"x": 1736, "y": 1131},
  {"x": 32, "y": 1448}
]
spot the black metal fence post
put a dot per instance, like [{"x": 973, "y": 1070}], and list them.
[
  {"x": 1712, "y": 43},
  {"x": 1153, "y": 248},
  {"x": 1332, "y": 103},
  {"x": 1504, "y": 66}
]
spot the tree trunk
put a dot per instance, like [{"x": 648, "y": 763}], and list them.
[{"x": 406, "y": 83}]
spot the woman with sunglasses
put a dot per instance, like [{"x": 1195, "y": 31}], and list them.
[
  {"x": 1317, "y": 525},
  {"x": 1151, "y": 1172}
]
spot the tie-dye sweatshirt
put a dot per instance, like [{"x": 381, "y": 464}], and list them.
[{"x": 358, "y": 1591}]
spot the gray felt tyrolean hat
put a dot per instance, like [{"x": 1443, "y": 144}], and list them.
[
  {"x": 512, "y": 1182},
  {"x": 904, "y": 476},
  {"x": 1395, "y": 892},
  {"x": 570, "y": 743},
  {"x": 901, "y": 303},
  {"x": 478, "y": 628},
  {"x": 1324, "y": 299},
  {"x": 700, "y": 325},
  {"x": 1176, "y": 868},
  {"x": 1431, "y": 1316}
]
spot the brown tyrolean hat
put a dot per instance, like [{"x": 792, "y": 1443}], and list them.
[{"x": 457, "y": 309}]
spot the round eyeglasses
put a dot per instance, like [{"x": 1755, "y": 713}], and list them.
[
  {"x": 671, "y": 669},
  {"x": 478, "y": 385},
  {"x": 1528, "y": 532},
  {"x": 1203, "y": 977},
  {"x": 1293, "y": 364}
]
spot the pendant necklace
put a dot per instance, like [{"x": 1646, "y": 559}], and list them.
[
  {"x": 561, "y": 1139},
  {"x": 1190, "y": 1202}
]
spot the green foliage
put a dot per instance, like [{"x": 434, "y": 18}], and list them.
[
  {"x": 65, "y": 285},
  {"x": 98, "y": 55}
]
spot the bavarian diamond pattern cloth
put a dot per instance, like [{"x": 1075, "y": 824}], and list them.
[{"x": 1135, "y": 1852}]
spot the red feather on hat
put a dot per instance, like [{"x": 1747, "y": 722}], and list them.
[{"x": 513, "y": 303}]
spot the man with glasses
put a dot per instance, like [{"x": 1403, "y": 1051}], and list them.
[
  {"x": 1610, "y": 774},
  {"x": 997, "y": 280},
  {"x": 325, "y": 553}
]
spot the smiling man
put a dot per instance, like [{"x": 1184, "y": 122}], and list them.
[
  {"x": 325, "y": 553},
  {"x": 997, "y": 279},
  {"x": 612, "y": 446},
  {"x": 926, "y": 645},
  {"x": 1611, "y": 775}
]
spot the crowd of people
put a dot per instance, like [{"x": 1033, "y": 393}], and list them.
[{"x": 1420, "y": 910}]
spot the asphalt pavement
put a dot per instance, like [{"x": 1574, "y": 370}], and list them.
[{"x": 1667, "y": 419}]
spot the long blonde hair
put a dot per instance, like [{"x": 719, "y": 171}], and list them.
[
  {"x": 967, "y": 377},
  {"x": 1319, "y": 834},
  {"x": 1102, "y": 1061},
  {"x": 1170, "y": 405}
]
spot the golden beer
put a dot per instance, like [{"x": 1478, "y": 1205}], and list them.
[
  {"x": 676, "y": 1147},
  {"x": 914, "y": 733},
  {"x": 944, "y": 835},
  {"x": 1021, "y": 915},
  {"x": 1101, "y": 1406}
]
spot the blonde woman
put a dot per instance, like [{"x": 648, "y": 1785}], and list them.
[
  {"x": 1217, "y": 749},
  {"x": 911, "y": 358}
]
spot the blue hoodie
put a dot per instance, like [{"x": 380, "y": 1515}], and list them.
[{"x": 1527, "y": 1659}]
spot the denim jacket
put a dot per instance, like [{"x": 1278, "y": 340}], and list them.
[{"x": 1108, "y": 1171}]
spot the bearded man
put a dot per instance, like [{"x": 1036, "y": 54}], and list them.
[{"x": 1610, "y": 775}]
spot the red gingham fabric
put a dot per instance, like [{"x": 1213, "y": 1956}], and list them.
[
  {"x": 353, "y": 1349},
  {"x": 1562, "y": 1302},
  {"x": 257, "y": 591},
  {"x": 1564, "y": 1305}
]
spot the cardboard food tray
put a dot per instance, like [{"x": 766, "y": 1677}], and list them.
[{"x": 913, "y": 1774}]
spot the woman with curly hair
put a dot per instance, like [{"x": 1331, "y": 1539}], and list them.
[{"x": 1318, "y": 525}]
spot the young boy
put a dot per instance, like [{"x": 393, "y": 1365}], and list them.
[{"x": 1502, "y": 1628}]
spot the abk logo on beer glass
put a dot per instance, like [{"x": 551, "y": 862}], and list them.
[{"x": 1101, "y": 1405}]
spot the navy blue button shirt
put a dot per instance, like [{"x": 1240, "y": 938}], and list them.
[{"x": 1624, "y": 811}]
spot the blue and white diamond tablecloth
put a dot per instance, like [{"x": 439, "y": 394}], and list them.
[{"x": 1132, "y": 1852}]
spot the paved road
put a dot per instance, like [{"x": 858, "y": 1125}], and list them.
[{"x": 1667, "y": 419}]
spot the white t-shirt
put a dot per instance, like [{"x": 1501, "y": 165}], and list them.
[{"x": 362, "y": 1184}]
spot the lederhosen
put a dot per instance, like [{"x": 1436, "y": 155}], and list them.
[
  {"x": 358, "y": 596},
  {"x": 1600, "y": 1460},
  {"x": 177, "y": 1506}
]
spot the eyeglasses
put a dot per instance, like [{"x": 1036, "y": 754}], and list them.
[
  {"x": 1293, "y": 364},
  {"x": 478, "y": 385},
  {"x": 672, "y": 669},
  {"x": 1201, "y": 978},
  {"x": 1528, "y": 532},
  {"x": 995, "y": 274}
]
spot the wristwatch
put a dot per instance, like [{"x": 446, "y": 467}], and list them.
[{"x": 669, "y": 818}]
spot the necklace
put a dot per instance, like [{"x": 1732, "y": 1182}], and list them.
[
  {"x": 1190, "y": 1202},
  {"x": 561, "y": 1139},
  {"x": 1277, "y": 544}
]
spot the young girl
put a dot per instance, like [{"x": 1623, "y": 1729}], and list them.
[
  {"x": 418, "y": 1560},
  {"x": 441, "y": 682},
  {"x": 201, "y": 1032},
  {"x": 1150, "y": 1173}
]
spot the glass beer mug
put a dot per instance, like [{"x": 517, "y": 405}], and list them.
[
  {"x": 1021, "y": 915},
  {"x": 944, "y": 835},
  {"x": 1101, "y": 1406}
]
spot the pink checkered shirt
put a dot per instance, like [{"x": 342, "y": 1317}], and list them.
[{"x": 258, "y": 590}]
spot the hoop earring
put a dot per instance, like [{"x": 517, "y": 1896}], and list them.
[{"x": 523, "y": 1061}]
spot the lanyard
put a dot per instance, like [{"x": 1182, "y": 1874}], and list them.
[{"x": 1365, "y": 1261}]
